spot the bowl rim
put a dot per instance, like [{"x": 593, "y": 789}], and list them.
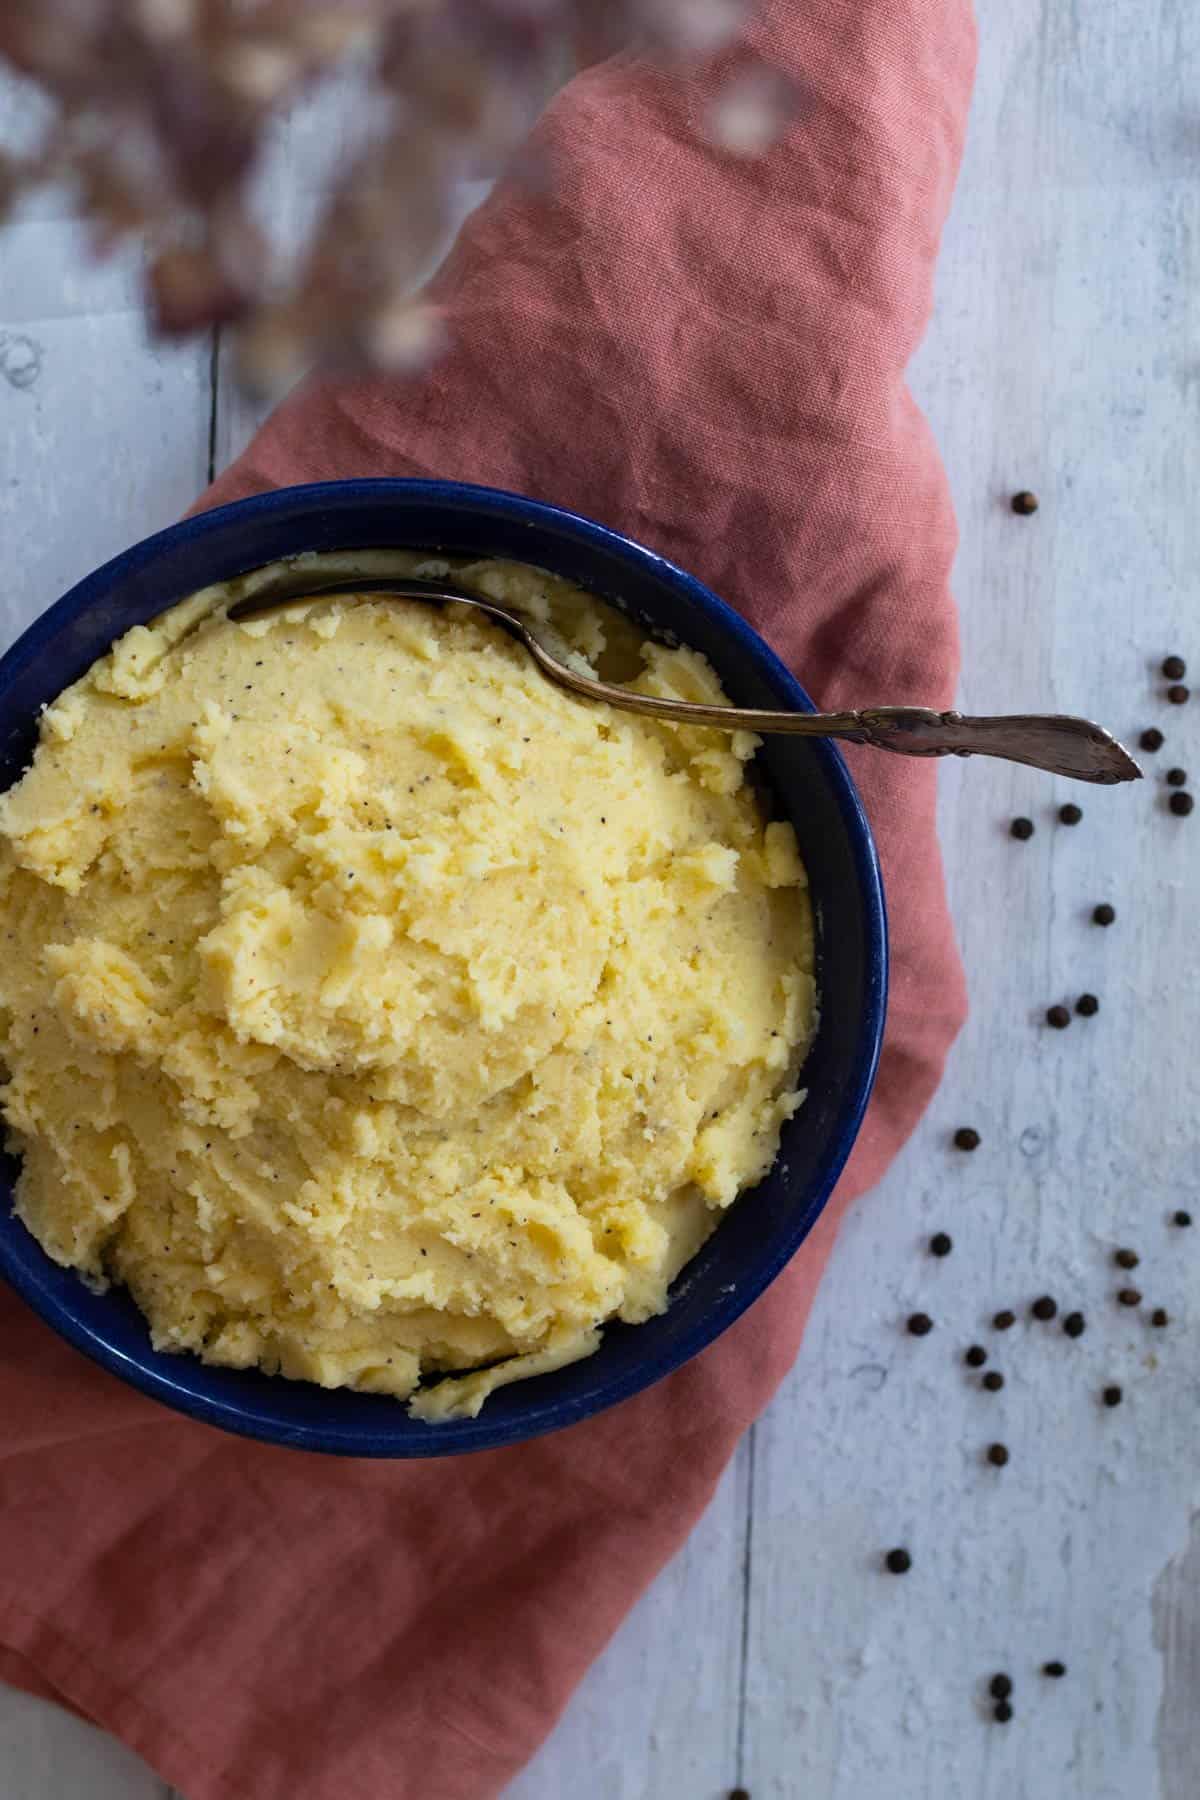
[{"x": 421, "y": 1439}]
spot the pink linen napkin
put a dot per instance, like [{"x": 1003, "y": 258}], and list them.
[{"x": 708, "y": 353}]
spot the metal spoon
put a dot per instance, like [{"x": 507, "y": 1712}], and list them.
[{"x": 1065, "y": 746}]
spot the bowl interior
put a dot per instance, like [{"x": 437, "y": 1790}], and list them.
[{"x": 810, "y": 786}]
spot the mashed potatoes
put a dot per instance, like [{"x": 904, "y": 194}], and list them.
[{"x": 371, "y": 1008}]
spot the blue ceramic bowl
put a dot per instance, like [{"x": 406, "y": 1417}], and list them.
[{"x": 811, "y": 786}]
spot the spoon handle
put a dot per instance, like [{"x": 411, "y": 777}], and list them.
[{"x": 1065, "y": 746}]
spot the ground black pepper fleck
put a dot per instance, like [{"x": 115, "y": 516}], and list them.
[
  {"x": 1055, "y": 1670},
  {"x": 966, "y": 1138},
  {"x": 1160, "y": 1317},
  {"x": 975, "y": 1357},
  {"x": 1104, "y": 914},
  {"x": 1075, "y": 1324},
  {"x": 1024, "y": 503},
  {"x": 1174, "y": 668},
  {"x": 1087, "y": 1006},
  {"x": 993, "y": 1381},
  {"x": 1151, "y": 738},
  {"x": 1181, "y": 803},
  {"x": 1126, "y": 1259},
  {"x": 919, "y": 1325},
  {"x": 1021, "y": 828},
  {"x": 1070, "y": 814},
  {"x": 1058, "y": 1016},
  {"x": 1000, "y": 1686},
  {"x": 1002, "y": 1712},
  {"x": 1176, "y": 777},
  {"x": 1044, "y": 1308},
  {"x": 940, "y": 1244},
  {"x": 1113, "y": 1396},
  {"x": 997, "y": 1455},
  {"x": 898, "y": 1562},
  {"x": 1129, "y": 1297},
  {"x": 1003, "y": 1321},
  {"x": 1177, "y": 694},
  {"x": 1182, "y": 1219}
]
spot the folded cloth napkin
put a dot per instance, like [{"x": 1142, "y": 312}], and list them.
[{"x": 705, "y": 351}]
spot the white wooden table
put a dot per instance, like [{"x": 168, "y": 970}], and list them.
[{"x": 1065, "y": 357}]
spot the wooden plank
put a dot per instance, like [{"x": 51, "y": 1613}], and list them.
[{"x": 1062, "y": 358}]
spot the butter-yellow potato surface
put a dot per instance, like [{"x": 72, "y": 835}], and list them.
[{"x": 371, "y": 1008}]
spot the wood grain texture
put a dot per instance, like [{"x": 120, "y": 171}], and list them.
[{"x": 1064, "y": 357}]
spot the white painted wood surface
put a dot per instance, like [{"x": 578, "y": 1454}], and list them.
[{"x": 1065, "y": 356}]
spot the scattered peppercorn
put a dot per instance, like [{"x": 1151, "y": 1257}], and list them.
[
  {"x": 1002, "y": 1712},
  {"x": 1160, "y": 1317},
  {"x": 966, "y": 1138},
  {"x": 1044, "y": 1308},
  {"x": 1055, "y": 1670},
  {"x": 739, "y": 1794},
  {"x": 1104, "y": 914},
  {"x": 1176, "y": 777},
  {"x": 1129, "y": 1297},
  {"x": 1087, "y": 1006},
  {"x": 1021, "y": 828},
  {"x": 1183, "y": 1219},
  {"x": 1113, "y": 1396},
  {"x": 1075, "y": 1324},
  {"x": 1024, "y": 503},
  {"x": 1003, "y": 1321},
  {"x": 1174, "y": 668},
  {"x": 1126, "y": 1259},
  {"x": 1070, "y": 814},
  {"x": 993, "y": 1381},
  {"x": 1181, "y": 803},
  {"x": 919, "y": 1324},
  {"x": 1177, "y": 694},
  {"x": 898, "y": 1562},
  {"x": 1151, "y": 738},
  {"x": 975, "y": 1357},
  {"x": 1058, "y": 1016},
  {"x": 997, "y": 1455},
  {"x": 1000, "y": 1687},
  {"x": 940, "y": 1244}
]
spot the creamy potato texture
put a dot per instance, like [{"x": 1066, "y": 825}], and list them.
[{"x": 371, "y": 1008}]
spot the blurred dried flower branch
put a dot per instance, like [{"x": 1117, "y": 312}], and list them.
[{"x": 159, "y": 111}]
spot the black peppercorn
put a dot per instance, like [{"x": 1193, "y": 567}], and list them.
[
  {"x": 975, "y": 1357},
  {"x": 993, "y": 1381},
  {"x": 997, "y": 1455},
  {"x": 919, "y": 1324},
  {"x": 1129, "y": 1297},
  {"x": 1182, "y": 1218},
  {"x": 1126, "y": 1259},
  {"x": 1000, "y": 1687},
  {"x": 898, "y": 1562},
  {"x": 1055, "y": 1670},
  {"x": 1004, "y": 1320},
  {"x": 1021, "y": 828},
  {"x": 1075, "y": 1324},
  {"x": 1045, "y": 1308},
  {"x": 1104, "y": 914},
  {"x": 966, "y": 1138},
  {"x": 1024, "y": 503},
  {"x": 1174, "y": 668},
  {"x": 1113, "y": 1396},
  {"x": 1160, "y": 1317},
  {"x": 1151, "y": 738},
  {"x": 940, "y": 1244},
  {"x": 1058, "y": 1016},
  {"x": 1070, "y": 814},
  {"x": 1181, "y": 803},
  {"x": 1087, "y": 1006},
  {"x": 1177, "y": 694},
  {"x": 1176, "y": 777},
  {"x": 1002, "y": 1712}
]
